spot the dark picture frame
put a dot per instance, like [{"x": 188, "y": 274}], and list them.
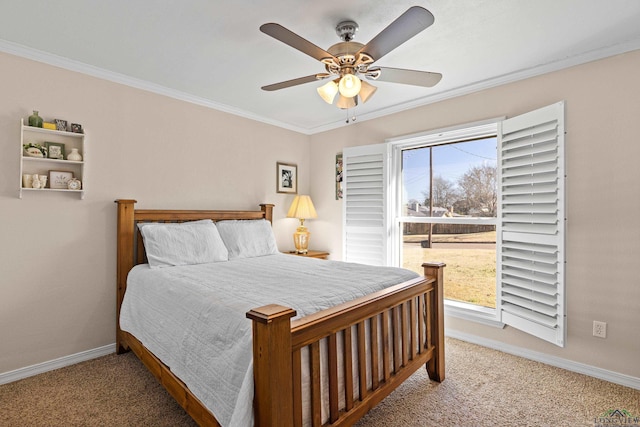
[
  {"x": 59, "y": 179},
  {"x": 286, "y": 178},
  {"x": 61, "y": 125},
  {"x": 339, "y": 176},
  {"x": 55, "y": 150}
]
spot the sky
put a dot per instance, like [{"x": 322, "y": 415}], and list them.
[{"x": 450, "y": 161}]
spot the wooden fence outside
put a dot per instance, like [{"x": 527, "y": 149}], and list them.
[{"x": 413, "y": 228}]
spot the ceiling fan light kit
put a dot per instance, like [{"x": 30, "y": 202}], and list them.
[{"x": 347, "y": 63}]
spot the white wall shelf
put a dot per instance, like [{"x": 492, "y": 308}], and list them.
[{"x": 42, "y": 166}]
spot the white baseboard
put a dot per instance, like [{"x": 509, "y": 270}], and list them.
[
  {"x": 558, "y": 362},
  {"x": 72, "y": 359}
]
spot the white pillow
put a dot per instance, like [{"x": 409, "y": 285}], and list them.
[
  {"x": 248, "y": 238},
  {"x": 187, "y": 243}
]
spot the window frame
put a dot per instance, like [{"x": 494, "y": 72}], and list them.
[
  {"x": 459, "y": 133},
  {"x": 531, "y": 227}
]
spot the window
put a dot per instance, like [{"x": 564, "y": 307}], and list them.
[
  {"x": 381, "y": 210},
  {"x": 447, "y": 211}
]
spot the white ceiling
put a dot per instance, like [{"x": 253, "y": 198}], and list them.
[{"x": 211, "y": 52}]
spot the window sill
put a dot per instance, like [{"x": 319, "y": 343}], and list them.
[{"x": 484, "y": 315}]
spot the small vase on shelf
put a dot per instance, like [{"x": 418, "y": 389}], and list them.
[
  {"x": 35, "y": 120},
  {"x": 74, "y": 155}
]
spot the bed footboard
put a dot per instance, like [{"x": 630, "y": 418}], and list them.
[{"x": 382, "y": 339}]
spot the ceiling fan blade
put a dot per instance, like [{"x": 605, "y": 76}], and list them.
[
  {"x": 410, "y": 23},
  {"x": 408, "y": 77},
  {"x": 290, "y": 38},
  {"x": 295, "y": 82}
]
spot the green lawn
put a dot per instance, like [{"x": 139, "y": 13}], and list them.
[{"x": 470, "y": 275}]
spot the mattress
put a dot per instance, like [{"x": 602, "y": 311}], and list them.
[{"x": 193, "y": 318}]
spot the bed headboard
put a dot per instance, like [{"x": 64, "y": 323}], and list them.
[{"x": 129, "y": 240}]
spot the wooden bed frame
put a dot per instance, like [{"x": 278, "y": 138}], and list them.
[{"x": 403, "y": 325}]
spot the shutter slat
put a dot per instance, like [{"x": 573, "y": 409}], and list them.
[
  {"x": 529, "y": 170},
  {"x": 532, "y": 179},
  {"x": 529, "y": 285},
  {"x": 548, "y": 249},
  {"x": 531, "y": 256},
  {"x": 531, "y": 218},
  {"x": 526, "y": 133},
  {"x": 530, "y": 198},
  {"x": 540, "y": 188},
  {"x": 548, "y": 157},
  {"x": 533, "y": 304},
  {"x": 532, "y": 207},
  {"x": 531, "y": 228},
  {"x": 530, "y": 150},
  {"x": 523, "y": 313},
  {"x": 537, "y": 267}
]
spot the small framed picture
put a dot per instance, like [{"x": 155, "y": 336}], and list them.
[
  {"x": 59, "y": 179},
  {"x": 76, "y": 128},
  {"x": 286, "y": 178},
  {"x": 61, "y": 124},
  {"x": 338, "y": 176},
  {"x": 55, "y": 150}
]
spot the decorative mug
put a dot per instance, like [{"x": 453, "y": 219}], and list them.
[
  {"x": 27, "y": 181},
  {"x": 36, "y": 181},
  {"x": 43, "y": 181}
]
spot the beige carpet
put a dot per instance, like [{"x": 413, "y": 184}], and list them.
[{"x": 483, "y": 388}]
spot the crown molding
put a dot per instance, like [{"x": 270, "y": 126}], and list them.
[
  {"x": 515, "y": 76},
  {"x": 90, "y": 70}
]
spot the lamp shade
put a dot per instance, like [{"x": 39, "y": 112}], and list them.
[
  {"x": 302, "y": 208},
  {"x": 328, "y": 91},
  {"x": 344, "y": 102},
  {"x": 366, "y": 91}
]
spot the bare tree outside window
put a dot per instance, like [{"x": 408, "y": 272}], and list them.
[{"x": 478, "y": 188}]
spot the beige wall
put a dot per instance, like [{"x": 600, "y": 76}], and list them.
[
  {"x": 603, "y": 233},
  {"x": 57, "y": 252}
]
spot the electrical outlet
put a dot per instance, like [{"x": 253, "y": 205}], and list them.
[{"x": 599, "y": 329}]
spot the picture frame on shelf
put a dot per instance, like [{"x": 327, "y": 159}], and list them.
[
  {"x": 339, "y": 176},
  {"x": 55, "y": 150},
  {"x": 61, "y": 125},
  {"x": 59, "y": 179},
  {"x": 76, "y": 128},
  {"x": 286, "y": 178}
]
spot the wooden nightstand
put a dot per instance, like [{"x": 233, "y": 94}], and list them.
[{"x": 311, "y": 254}]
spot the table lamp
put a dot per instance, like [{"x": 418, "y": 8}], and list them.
[{"x": 302, "y": 208}]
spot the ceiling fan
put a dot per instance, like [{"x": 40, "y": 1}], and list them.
[{"x": 349, "y": 64}]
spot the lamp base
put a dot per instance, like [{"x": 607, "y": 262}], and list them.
[{"x": 301, "y": 239}]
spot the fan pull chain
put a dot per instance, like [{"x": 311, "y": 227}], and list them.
[{"x": 353, "y": 118}]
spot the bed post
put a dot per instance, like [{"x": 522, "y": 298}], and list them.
[
  {"x": 268, "y": 211},
  {"x": 435, "y": 366},
  {"x": 126, "y": 228},
  {"x": 272, "y": 366}
]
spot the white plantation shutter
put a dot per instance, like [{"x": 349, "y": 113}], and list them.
[
  {"x": 365, "y": 207},
  {"x": 532, "y": 222}
]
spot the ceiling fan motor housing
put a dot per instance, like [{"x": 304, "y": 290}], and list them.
[{"x": 346, "y": 30}]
